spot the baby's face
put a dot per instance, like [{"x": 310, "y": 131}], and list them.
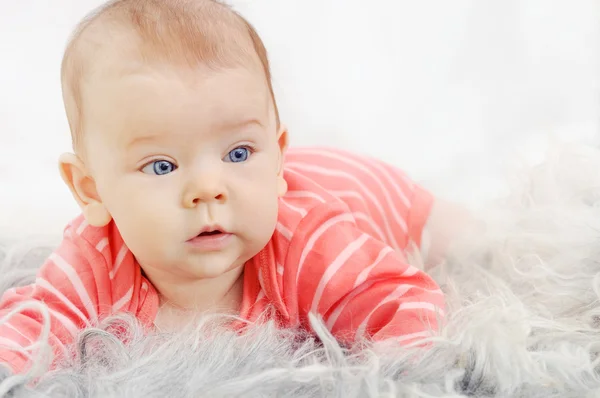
[{"x": 188, "y": 164}]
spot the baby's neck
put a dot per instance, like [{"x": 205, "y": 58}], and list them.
[
  {"x": 182, "y": 303},
  {"x": 222, "y": 294}
]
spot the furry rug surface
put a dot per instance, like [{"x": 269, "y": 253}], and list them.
[{"x": 523, "y": 320}]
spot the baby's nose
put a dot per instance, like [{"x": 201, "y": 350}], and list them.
[{"x": 206, "y": 187}]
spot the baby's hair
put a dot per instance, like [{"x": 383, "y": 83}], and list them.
[{"x": 181, "y": 32}]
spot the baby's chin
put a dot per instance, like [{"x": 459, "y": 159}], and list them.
[
  {"x": 213, "y": 271},
  {"x": 189, "y": 262},
  {"x": 211, "y": 265}
]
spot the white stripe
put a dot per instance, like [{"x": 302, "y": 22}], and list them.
[
  {"x": 122, "y": 301},
  {"x": 366, "y": 191},
  {"x": 360, "y": 286},
  {"x": 410, "y": 271},
  {"x": 304, "y": 194},
  {"x": 66, "y": 322},
  {"x": 348, "y": 194},
  {"x": 84, "y": 224},
  {"x": 340, "y": 308},
  {"x": 70, "y": 272},
  {"x": 102, "y": 244},
  {"x": 298, "y": 210},
  {"x": 362, "y": 277},
  {"x": 48, "y": 286},
  {"x": 317, "y": 234},
  {"x": 334, "y": 267},
  {"x": 420, "y": 305},
  {"x": 372, "y": 224},
  {"x": 5, "y": 342},
  {"x": 41, "y": 307},
  {"x": 144, "y": 286},
  {"x": 342, "y": 156},
  {"x": 284, "y": 231},
  {"x": 397, "y": 293},
  {"x": 261, "y": 295},
  {"x": 10, "y": 326},
  {"x": 118, "y": 261},
  {"x": 280, "y": 269},
  {"x": 411, "y": 336},
  {"x": 392, "y": 183},
  {"x": 261, "y": 282},
  {"x": 358, "y": 215},
  {"x": 340, "y": 194},
  {"x": 349, "y": 161}
]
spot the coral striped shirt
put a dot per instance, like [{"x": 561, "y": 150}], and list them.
[{"x": 337, "y": 252}]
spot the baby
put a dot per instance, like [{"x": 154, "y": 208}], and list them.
[{"x": 192, "y": 201}]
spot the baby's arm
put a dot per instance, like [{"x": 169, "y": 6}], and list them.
[
  {"x": 357, "y": 284},
  {"x": 65, "y": 293},
  {"x": 433, "y": 224}
]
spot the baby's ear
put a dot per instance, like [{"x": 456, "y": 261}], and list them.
[
  {"x": 83, "y": 189},
  {"x": 282, "y": 142}
]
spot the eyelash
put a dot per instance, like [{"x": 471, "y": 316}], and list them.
[
  {"x": 249, "y": 147},
  {"x": 158, "y": 159}
]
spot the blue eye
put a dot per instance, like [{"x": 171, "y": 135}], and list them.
[
  {"x": 238, "y": 155},
  {"x": 159, "y": 167}
]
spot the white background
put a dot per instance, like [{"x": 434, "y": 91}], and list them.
[{"x": 450, "y": 90}]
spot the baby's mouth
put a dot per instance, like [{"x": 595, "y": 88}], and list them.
[
  {"x": 211, "y": 239},
  {"x": 210, "y": 233}
]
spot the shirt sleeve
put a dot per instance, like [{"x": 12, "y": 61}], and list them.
[
  {"x": 70, "y": 292},
  {"x": 356, "y": 284},
  {"x": 411, "y": 200}
]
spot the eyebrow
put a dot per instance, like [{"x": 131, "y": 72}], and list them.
[
  {"x": 234, "y": 125},
  {"x": 243, "y": 123},
  {"x": 141, "y": 140}
]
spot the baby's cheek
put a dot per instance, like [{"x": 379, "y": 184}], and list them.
[
  {"x": 141, "y": 213},
  {"x": 264, "y": 214},
  {"x": 262, "y": 196}
]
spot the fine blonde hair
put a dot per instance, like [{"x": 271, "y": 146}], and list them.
[{"x": 181, "y": 32}]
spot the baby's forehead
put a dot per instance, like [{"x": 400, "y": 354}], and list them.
[
  {"x": 130, "y": 33},
  {"x": 176, "y": 101}
]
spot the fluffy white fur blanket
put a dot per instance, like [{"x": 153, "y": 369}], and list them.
[{"x": 523, "y": 321}]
